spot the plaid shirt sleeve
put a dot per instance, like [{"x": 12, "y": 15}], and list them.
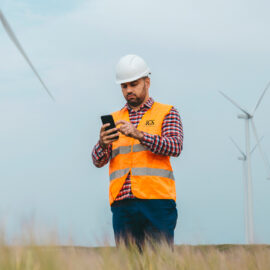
[
  {"x": 170, "y": 143},
  {"x": 101, "y": 156}
]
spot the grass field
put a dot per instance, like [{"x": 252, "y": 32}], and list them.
[{"x": 225, "y": 257}]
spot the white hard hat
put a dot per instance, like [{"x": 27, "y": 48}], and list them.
[{"x": 130, "y": 68}]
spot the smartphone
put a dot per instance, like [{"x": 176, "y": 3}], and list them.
[{"x": 109, "y": 119}]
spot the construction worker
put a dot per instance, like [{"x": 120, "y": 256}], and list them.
[{"x": 142, "y": 186}]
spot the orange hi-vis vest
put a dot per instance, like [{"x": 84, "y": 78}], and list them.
[{"x": 151, "y": 175}]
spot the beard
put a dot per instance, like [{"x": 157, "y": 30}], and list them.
[{"x": 136, "y": 101}]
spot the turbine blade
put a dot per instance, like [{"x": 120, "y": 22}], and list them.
[
  {"x": 256, "y": 146},
  {"x": 19, "y": 47},
  {"x": 261, "y": 97},
  {"x": 266, "y": 162},
  {"x": 234, "y": 103},
  {"x": 235, "y": 144}
]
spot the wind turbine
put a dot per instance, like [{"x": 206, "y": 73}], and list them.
[
  {"x": 248, "y": 208},
  {"x": 248, "y": 117},
  {"x": 19, "y": 47}
]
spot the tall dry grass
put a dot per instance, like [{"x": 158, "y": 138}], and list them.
[{"x": 29, "y": 256}]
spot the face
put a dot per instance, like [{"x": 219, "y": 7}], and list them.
[{"x": 136, "y": 92}]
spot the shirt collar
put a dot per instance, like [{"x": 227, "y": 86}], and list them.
[{"x": 148, "y": 104}]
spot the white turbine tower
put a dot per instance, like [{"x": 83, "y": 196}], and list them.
[
  {"x": 248, "y": 117},
  {"x": 248, "y": 212},
  {"x": 16, "y": 42}
]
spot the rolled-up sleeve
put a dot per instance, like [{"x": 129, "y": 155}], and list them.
[{"x": 101, "y": 156}]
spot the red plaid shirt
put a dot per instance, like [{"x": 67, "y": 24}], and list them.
[{"x": 170, "y": 143}]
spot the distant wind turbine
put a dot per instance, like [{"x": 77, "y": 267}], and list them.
[
  {"x": 19, "y": 47},
  {"x": 249, "y": 224},
  {"x": 249, "y": 118}
]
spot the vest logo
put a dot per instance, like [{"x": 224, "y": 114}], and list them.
[{"x": 150, "y": 122}]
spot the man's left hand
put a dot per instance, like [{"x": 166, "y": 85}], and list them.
[{"x": 129, "y": 130}]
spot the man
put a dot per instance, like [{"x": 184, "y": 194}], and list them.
[{"x": 142, "y": 186}]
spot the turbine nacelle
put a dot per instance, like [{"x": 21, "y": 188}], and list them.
[
  {"x": 242, "y": 158},
  {"x": 244, "y": 116}
]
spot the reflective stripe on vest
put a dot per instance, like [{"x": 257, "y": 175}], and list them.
[
  {"x": 127, "y": 149},
  {"x": 152, "y": 172},
  {"x": 121, "y": 150},
  {"x": 142, "y": 172},
  {"x": 118, "y": 173}
]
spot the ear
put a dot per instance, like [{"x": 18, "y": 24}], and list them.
[{"x": 147, "y": 82}]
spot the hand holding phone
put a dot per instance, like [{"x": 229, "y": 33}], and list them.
[{"x": 109, "y": 132}]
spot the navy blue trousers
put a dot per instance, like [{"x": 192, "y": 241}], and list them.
[{"x": 138, "y": 219}]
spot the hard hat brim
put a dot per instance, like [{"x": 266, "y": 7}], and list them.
[{"x": 146, "y": 73}]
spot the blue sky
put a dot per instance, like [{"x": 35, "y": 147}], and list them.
[{"x": 193, "y": 48}]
